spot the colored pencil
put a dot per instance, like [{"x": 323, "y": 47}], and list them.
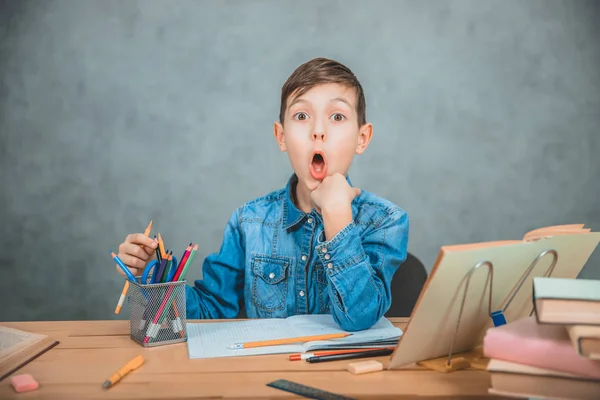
[
  {"x": 117, "y": 376},
  {"x": 122, "y": 297},
  {"x": 350, "y": 356},
  {"x": 177, "y": 317},
  {"x": 187, "y": 250},
  {"x": 304, "y": 356},
  {"x": 126, "y": 286},
  {"x": 180, "y": 277},
  {"x": 158, "y": 256},
  {"x": 169, "y": 265},
  {"x": 276, "y": 342},
  {"x": 182, "y": 262},
  {"x": 161, "y": 244},
  {"x": 181, "y": 274},
  {"x": 157, "y": 273},
  {"x": 123, "y": 267},
  {"x": 169, "y": 298}
]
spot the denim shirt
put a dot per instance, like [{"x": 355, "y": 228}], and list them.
[{"x": 275, "y": 262}]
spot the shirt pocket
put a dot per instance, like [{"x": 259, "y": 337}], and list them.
[{"x": 270, "y": 282}]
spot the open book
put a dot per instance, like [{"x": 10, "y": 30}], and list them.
[
  {"x": 212, "y": 339},
  {"x": 18, "y": 348}
]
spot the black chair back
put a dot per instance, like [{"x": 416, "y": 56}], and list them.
[{"x": 407, "y": 284}]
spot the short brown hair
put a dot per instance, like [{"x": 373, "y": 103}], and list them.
[{"x": 320, "y": 71}]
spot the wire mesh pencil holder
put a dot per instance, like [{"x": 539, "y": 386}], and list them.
[{"x": 157, "y": 313}]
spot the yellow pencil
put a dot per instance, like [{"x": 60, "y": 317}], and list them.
[
  {"x": 276, "y": 342},
  {"x": 130, "y": 366},
  {"x": 122, "y": 297},
  {"x": 126, "y": 286},
  {"x": 161, "y": 244}
]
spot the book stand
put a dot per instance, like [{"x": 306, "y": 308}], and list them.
[{"x": 475, "y": 358}]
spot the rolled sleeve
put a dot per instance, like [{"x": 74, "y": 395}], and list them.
[{"x": 342, "y": 251}]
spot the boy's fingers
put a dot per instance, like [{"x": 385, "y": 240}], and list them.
[
  {"x": 357, "y": 191},
  {"x": 149, "y": 250},
  {"x": 132, "y": 262},
  {"x": 133, "y": 250},
  {"x": 140, "y": 238}
]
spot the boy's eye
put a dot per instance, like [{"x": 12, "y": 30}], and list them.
[
  {"x": 338, "y": 117},
  {"x": 300, "y": 116}
]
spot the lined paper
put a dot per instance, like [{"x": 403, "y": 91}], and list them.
[{"x": 212, "y": 339}]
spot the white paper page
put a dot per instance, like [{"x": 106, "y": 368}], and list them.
[
  {"x": 316, "y": 324},
  {"x": 212, "y": 339},
  {"x": 12, "y": 340}
]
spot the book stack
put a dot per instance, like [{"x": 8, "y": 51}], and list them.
[{"x": 555, "y": 353}]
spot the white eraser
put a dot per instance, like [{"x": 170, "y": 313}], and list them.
[{"x": 363, "y": 367}]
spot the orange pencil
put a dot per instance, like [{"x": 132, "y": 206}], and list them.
[
  {"x": 304, "y": 356},
  {"x": 122, "y": 297},
  {"x": 276, "y": 342},
  {"x": 127, "y": 368},
  {"x": 126, "y": 286},
  {"x": 178, "y": 318},
  {"x": 161, "y": 244}
]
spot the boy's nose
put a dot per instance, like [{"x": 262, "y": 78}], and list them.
[{"x": 318, "y": 136}]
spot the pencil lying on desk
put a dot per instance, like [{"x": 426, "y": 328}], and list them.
[
  {"x": 126, "y": 286},
  {"x": 304, "y": 356},
  {"x": 276, "y": 342},
  {"x": 349, "y": 356},
  {"x": 117, "y": 376}
]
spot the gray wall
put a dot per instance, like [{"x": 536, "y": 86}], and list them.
[{"x": 112, "y": 113}]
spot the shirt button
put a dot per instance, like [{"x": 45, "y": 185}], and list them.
[
  {"x": 302, "y": 293},
  {"x": 310, "y": 221},
  {"x": 330, "y": 265},
  {"x": 304, "y": 258},
  {"x": 327, "y": 256},
  {"x": 324, "y": 249},
  {"x": 271, "y": 275}
]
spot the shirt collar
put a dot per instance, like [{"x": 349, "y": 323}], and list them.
[{"x": 292, "y": 215}]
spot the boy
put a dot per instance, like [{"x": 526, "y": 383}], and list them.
[{"x": 318, "y": 245}]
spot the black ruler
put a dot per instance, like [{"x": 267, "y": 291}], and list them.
[{"x": 306, "y": 391}]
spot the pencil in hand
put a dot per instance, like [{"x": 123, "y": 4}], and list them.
[{"x": 126, "y": 285}]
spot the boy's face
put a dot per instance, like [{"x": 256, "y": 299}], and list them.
[{"x": 320, "y": 132}]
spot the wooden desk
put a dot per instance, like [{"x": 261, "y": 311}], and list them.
[{"x": 90, "y": 351}]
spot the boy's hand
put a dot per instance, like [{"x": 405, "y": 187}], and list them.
[
  {"x": 333, "y": 193},
  {"x": 136, "y": 251},
  {"x": 333, "y": 198}
]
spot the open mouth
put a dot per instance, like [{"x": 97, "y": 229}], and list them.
[{"x": 318, "y": 166}]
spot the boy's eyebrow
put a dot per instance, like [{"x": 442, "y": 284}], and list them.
[
  {"x": 301, "y": 100},
  {"x": 342, "y": 100},
  {"x": 297, "y": 100}
]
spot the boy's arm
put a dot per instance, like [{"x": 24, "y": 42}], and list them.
[
  {"x": 219, "y": 293},
  {"x": 360, "y": 271}
]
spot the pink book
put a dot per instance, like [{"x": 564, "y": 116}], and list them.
[{"x": 539, "y": 345}]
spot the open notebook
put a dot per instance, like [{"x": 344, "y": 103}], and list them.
[{"x": 212, "y": 339}]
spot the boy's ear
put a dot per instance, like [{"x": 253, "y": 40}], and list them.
[
  {"x": 279, "y": 136},
  {"x": 365, "y": 134}
]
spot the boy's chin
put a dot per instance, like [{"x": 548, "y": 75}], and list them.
[{"x": 310, "y": 183}]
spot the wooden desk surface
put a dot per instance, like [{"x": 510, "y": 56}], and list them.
[{"x": 90, "y": 351}]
